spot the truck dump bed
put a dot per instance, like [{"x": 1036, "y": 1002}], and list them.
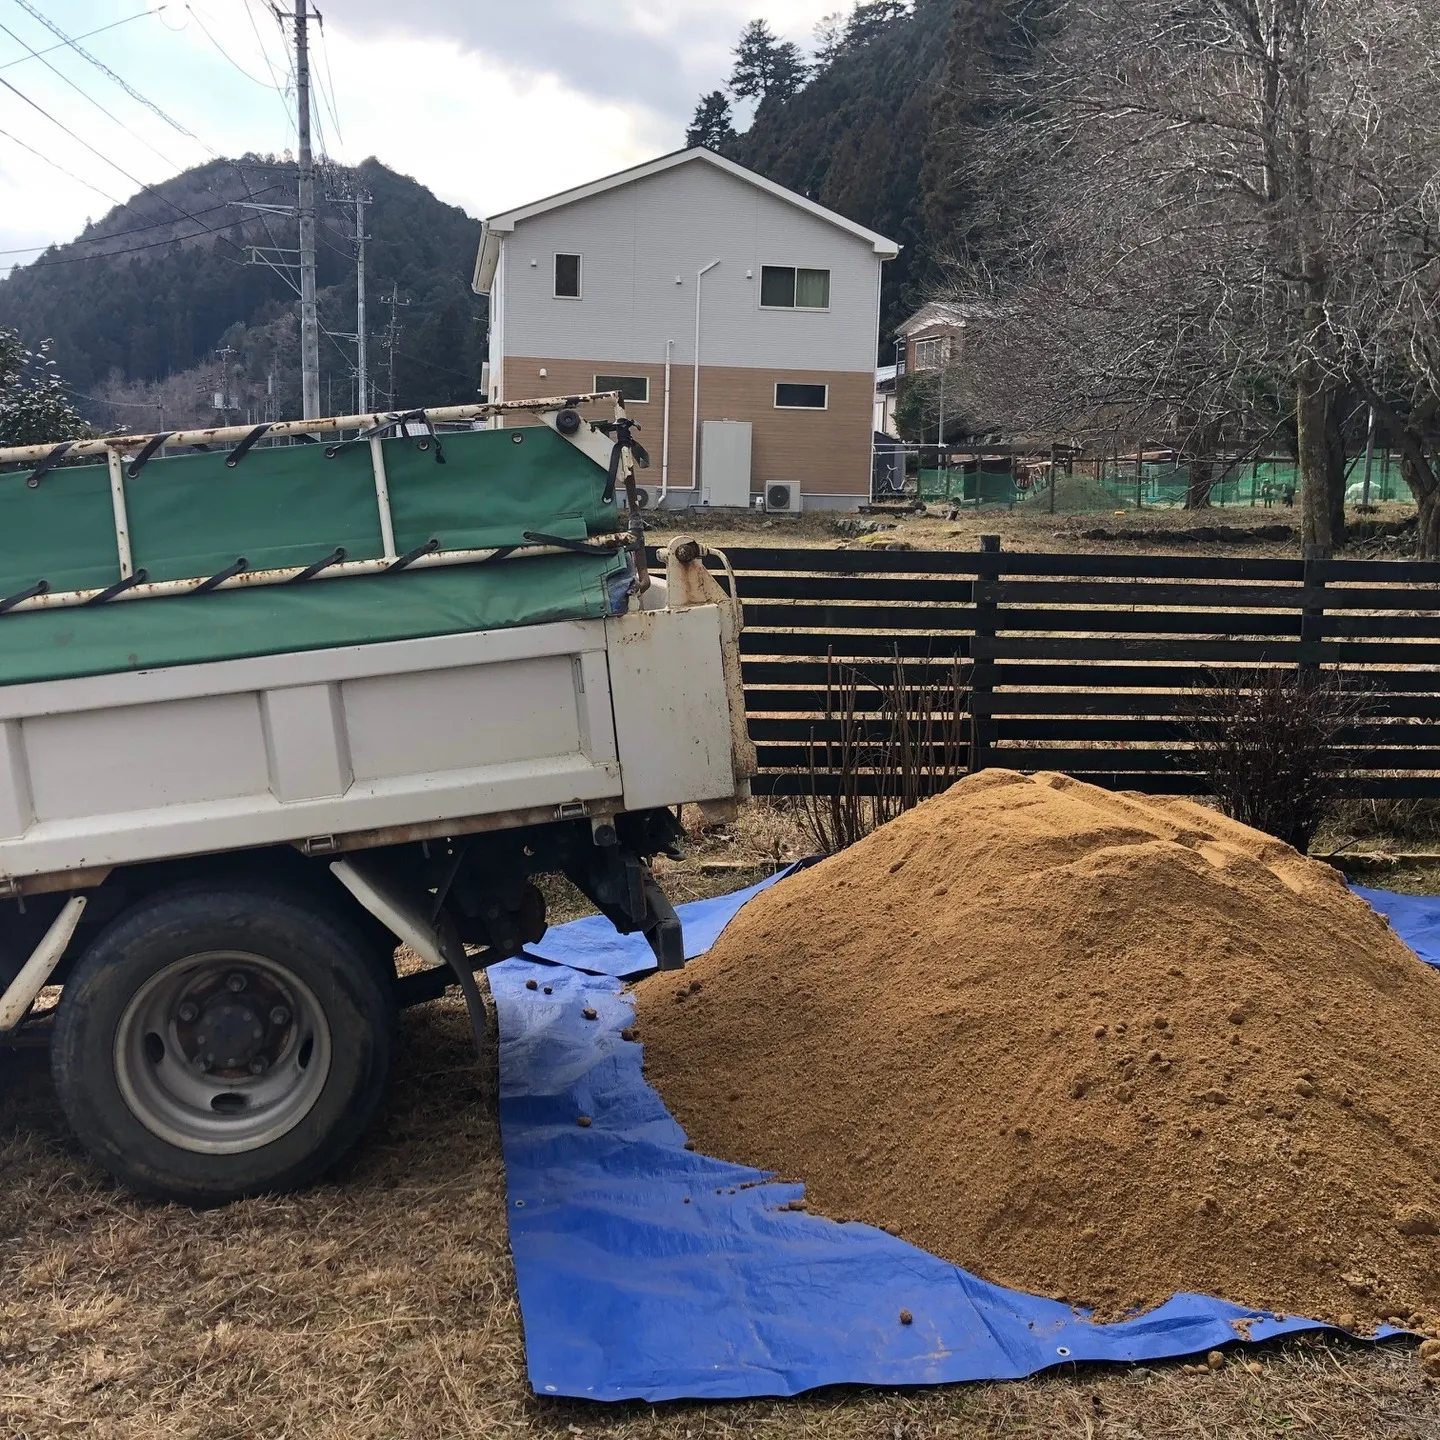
[{"x": 181, "y": 670}]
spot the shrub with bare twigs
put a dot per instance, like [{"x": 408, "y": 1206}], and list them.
[{"x": 1267, "y": 740}]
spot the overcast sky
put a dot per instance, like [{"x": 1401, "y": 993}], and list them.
[{"x": 488, "y": 102}]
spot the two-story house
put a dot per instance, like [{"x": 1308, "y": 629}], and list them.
[{"x": 739, "y": 319}]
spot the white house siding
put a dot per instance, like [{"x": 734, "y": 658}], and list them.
[{"x": 639, "y": 239}]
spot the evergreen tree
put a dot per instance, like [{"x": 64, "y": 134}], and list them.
[
  {"x": 712, "y": 126},
  {"x": 829, "y": 37},
  {"x": 766, "y": 67},
  {"x": 870, "y": 20},
  {"x": 34, "y": 407}
]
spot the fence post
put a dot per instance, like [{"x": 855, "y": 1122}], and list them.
[
  {"x": 982, "y": 664},
  {"x": 1312, "y": 611}
]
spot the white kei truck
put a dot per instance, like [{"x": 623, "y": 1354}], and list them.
[{"x": 278, "y": 699}]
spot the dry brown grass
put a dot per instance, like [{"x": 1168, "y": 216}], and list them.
[{"x": 383, "y": 1303}]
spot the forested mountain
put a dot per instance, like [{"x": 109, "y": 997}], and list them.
[
  {"x": 154, "y": 308},
  {"x": 878, "y": 129}
]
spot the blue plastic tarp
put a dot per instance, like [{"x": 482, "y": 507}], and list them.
[
  {"x": 649, "y": 1272},
  {"x": 1414, "y": 918}
]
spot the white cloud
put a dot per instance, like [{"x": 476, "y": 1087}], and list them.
[{"x": 489, "y": 104}]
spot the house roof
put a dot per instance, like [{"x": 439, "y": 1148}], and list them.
[
  {"x": 496, "y": 226},
  {"x": 943, "y": 312}
]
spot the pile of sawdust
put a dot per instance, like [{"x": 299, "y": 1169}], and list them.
[{"x": 1090, "y": 1045}]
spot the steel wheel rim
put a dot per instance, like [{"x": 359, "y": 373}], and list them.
[{"x": 241, "y": 1100}]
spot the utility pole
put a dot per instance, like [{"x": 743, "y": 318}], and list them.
[
  {"x": 309, "y": 318},
  {"x": 392, "y": 335},
  {"x": 361, "y": 367},
  {"x": 341, "y": 192}
]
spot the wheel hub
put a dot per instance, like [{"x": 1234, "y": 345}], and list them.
[
  {"x": 222, "y": 1052},
  {"x": 233, "y": 1025}
]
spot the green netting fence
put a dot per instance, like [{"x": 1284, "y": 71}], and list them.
[
  {"x": 966, "y": 485},
  {"x": 1262, "y": 484}
]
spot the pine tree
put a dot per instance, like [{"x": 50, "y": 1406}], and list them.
[
  {"x": 712, "y": 126},
  {"x": 766, "y": 66},
  {"x": 872, "y": 19},
  {"x": 829, "y": 37}
]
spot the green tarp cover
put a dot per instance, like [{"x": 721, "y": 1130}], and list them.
[{"x": 191, "y": 515}]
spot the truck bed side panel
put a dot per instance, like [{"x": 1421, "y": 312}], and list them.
[{"x": 120, "y": 768}]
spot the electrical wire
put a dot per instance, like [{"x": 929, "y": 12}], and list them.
[
  {"x": 331, "y": 104},
  {"x": 100, "y": 65},
  {"x": 139, "y": 15},
  {"x": 205, "y": 30},
  {"x": 119, "y": 168},
  {"x": 80, "y": 90},
  {"x": 113, "y": 254},
  {"x": 56, "y": 164},
  {"x": 269, "y": 65}
]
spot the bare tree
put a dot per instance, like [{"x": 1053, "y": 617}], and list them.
[{"x": 1229, "y": 227}]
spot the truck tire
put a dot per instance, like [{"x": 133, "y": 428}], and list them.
[{"x": 222, "y": 1041}]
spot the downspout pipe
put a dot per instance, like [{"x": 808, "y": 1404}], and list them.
[
  {"x": 665, "y": 431},
  {"x": 700, "y": 274}
]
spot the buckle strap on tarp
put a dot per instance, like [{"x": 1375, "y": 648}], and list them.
[
  {"x": 48, "y": 463},
  {"x": 244, "y": 447},
  {"x": 240, "y": 566},
  {"x": 311, "y": 571},
  {"x": 151, "y": 446},
  {"x": 40, "y": 587},
  {"x": 578, "y": 547},
  {"x": 393, "y": 422},
  {"x": 411, "y": 556},
  {"x": 119, "y": 587}
]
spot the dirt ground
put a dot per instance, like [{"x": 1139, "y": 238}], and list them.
[
  {"x": 1030, "y": 527},
  {"x": 383, "y": 1304}
]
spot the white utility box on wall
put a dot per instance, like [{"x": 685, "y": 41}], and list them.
[{"x": 725, "y": 463}]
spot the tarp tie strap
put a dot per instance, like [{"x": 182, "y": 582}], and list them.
[
  {"x": 40, "y": 587},
  {"x": 245, "y": 446},
  {"x": 48, "y": 463},
  {"x": 151, "y": 446},
  {"x": 120, "y": 587},
  {"x": 228, "y": 573},
  {"x": 579, "y": 547},
  {"x": 311, "y": 571},
  {"x": 431, "y": 545}
]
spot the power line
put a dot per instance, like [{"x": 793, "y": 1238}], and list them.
[
  {"x": 331, "y": 103},
  {"x": 117, "y": 234},
  {"x": 139, "y": 15},
  {"x": 100, "y": 65},
  {"x": 205, "y": 30},
  {"x": 167, "y": 200},
  {"x": 127, "y": 250},
  {"x": 80, "y": 90},
  {"x": 58, "y": 166},
  {"x": 269, "y": 65}
]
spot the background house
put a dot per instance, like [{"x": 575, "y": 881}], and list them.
[
  {"x": 934, "y": 337},
  {"x": 620, "y": 283}
]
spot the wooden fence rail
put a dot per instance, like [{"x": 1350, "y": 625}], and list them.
[{"x": 1084, "y": 663}]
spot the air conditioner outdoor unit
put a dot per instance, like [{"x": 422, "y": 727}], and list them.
[{"x": 782, "y": 495}]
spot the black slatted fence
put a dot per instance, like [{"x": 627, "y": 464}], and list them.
[{"x": 1082, "y": 663}]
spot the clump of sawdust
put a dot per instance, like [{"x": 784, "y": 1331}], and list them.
[{"x": 1090, "y": 1045}]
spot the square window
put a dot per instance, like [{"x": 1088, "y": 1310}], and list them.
[
  {"x": 777, "y": 286},
  {"x": 632, "y": 388},
  {"x": 801, "y": 397},
  {"x": 812, "y": 289},
  {"x": 786, "y": 287},
  {"x": 932, "y": 353},
  {"x": 567, "y": 277}
]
